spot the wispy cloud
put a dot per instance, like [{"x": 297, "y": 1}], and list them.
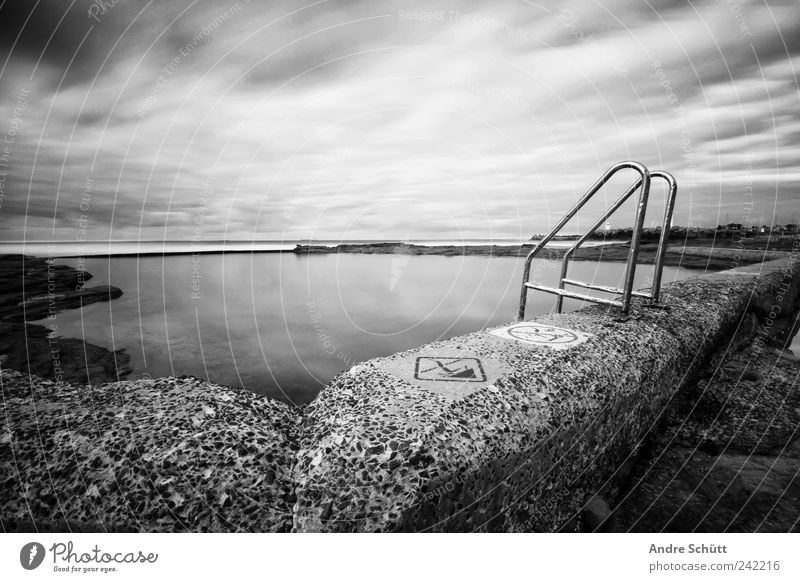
[{"x": 372, "y": 119}]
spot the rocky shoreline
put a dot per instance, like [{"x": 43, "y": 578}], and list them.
[
  {"x": 35, "y": 289},
  {"x": 728, "y": 457}
]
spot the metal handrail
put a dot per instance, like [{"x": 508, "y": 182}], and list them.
[
  {"x": 644, "y": 184},
  {"x": 663, "y": 240},
  {"x": 662, "y": 244}
]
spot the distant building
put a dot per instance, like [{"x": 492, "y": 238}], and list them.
[{"x": 766, "y": 229}]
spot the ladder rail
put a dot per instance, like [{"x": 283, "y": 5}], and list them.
[
  {"x": 571, "y": 251},
  {"x": 663, "y": 240},
  {"x": 639, "y": 221},
  {"x": 658, "y": 269},
  {"x": 636, "y": 239}
]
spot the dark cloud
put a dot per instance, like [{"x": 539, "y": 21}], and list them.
[
  {"x": 371, "y": 119},
  {"x": 46, "y": 29}
]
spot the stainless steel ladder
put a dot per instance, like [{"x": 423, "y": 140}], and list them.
[{"x": 642, "y": 184}]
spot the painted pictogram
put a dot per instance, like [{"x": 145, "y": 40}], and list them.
[
  {"x": 449, "y": 369},
  {"x": 542, "y": 335}
]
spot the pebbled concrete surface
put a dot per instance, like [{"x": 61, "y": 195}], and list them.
[
  {"x": 530, "y": 450},
  {"x": 173, "y": 454}
]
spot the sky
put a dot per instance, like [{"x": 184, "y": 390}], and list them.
[{"x": 250, "y": 120}]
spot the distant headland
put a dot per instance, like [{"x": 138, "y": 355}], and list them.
[{"x": 733, "y": 245}]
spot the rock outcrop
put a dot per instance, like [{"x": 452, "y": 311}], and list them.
[{"x": 34, "y": 289}]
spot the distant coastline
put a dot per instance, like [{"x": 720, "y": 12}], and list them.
[
  {"x": 615, "y": 243},
  {"x": 695, "y": 254},
  {"x": 105, "y": 249}
]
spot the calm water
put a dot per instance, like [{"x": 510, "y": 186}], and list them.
[{"x": 285, "y": 325}]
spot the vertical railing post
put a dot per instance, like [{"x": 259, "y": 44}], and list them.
[
  {"x": 523, "y": 295},
  {"x": 663, "y": 240},
  {"x": 600, "y": 221},
  {"x": 636, "y": 238}
]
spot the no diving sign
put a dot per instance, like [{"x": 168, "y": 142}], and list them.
[
  {"x": 449, "y": 369},
  {"x": 557, "y": 338},
  {"x": 452, "y": 374}
]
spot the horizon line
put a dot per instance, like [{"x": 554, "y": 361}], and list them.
[{"x": 304, "y": 240}]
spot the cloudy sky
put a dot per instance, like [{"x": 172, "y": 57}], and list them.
[{"x": 181, "y": 119}]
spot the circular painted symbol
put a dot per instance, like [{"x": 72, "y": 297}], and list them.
[
  {"x": 542, "y": 334},
  {"x": 31, "y": 555}
]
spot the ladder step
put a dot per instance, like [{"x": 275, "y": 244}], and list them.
[
  {"x": 591, "y": 286},
  {"x": 573, "y": 295},
  {"x": 605, "y": 288}
]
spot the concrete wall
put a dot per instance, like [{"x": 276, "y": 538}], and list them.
[
  {"x": 162, "y": 455},
  {"x": 383, "y": 450}
]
